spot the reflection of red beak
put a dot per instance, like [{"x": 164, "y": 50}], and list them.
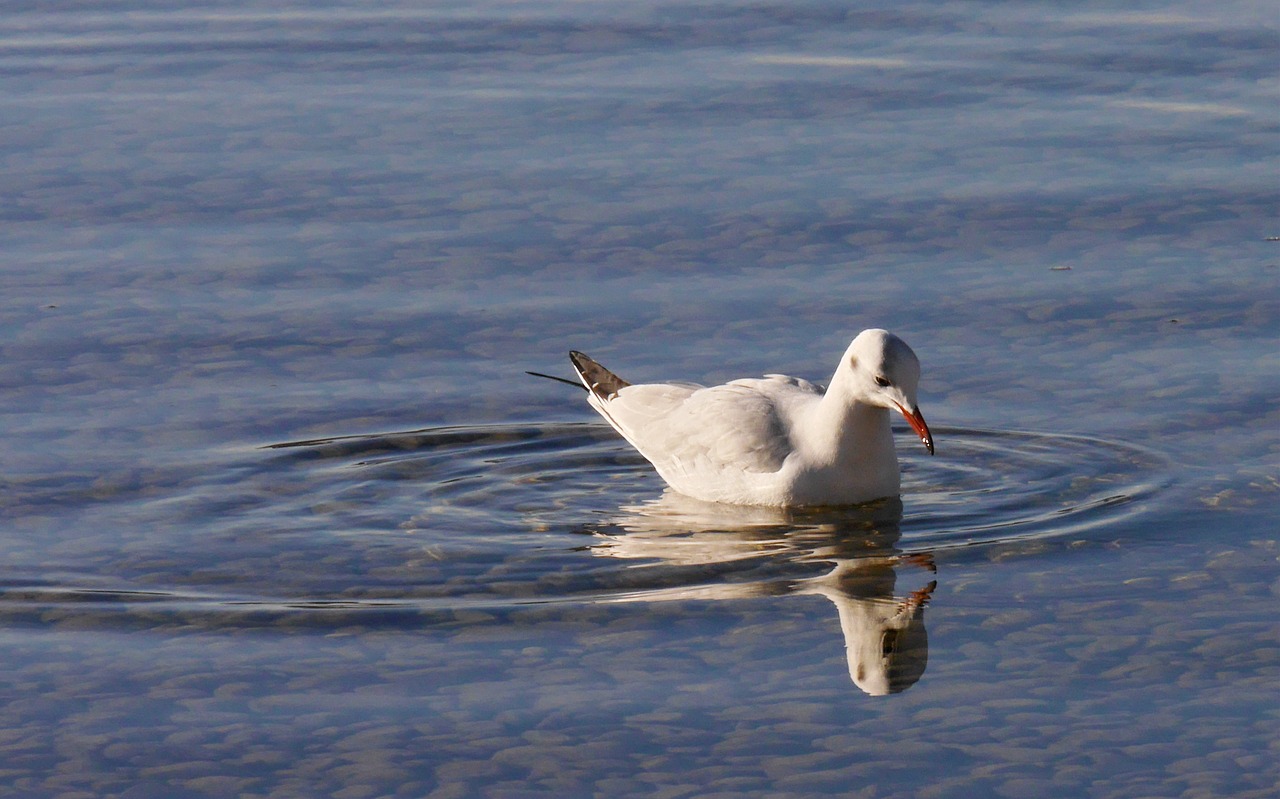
[{"x": 916, "y": 420}]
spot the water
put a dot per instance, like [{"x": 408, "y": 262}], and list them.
[{"x": 282, "y": 515}]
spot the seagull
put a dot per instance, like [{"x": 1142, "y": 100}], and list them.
[{"x": 774, "y": 441}]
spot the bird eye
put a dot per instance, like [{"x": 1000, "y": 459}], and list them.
[
  {"x": 889, "y": 643},
  {"x": 882, "y": 382}
]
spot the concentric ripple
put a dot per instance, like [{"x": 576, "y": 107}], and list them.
[
  {"x": 988, "y": 486},
  {"x": 408, "y": 526},
  {"x": 984, "y": 485},
  {"x": 512, "y": 510}
]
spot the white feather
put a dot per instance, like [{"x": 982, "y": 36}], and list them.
[{"x": 775, "y": 440}]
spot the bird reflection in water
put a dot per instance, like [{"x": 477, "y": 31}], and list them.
[{"x": 756, "y": 552}]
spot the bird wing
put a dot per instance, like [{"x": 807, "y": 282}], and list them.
[
  {"x": 703, "y": 433},
  {"x": 698, "y": 437}
]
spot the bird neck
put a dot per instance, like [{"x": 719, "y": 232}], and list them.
[{"x": 848, "y": 431}]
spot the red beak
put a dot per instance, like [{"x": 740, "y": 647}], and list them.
[{"x": 916, "y": 420}]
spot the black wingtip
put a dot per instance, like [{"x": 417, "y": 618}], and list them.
[{"x": 602, "y": 383}]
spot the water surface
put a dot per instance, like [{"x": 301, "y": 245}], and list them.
[{"x": 283, "y": 516}]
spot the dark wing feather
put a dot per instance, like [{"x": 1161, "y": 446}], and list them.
[{"x": 598, "y": 380}]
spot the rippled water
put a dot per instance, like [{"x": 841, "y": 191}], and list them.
[
  {"x": 421, "y": 520},
  {"x": 247, "y": 243}
]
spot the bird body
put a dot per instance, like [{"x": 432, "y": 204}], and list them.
[{"x": 777, "y": 440}]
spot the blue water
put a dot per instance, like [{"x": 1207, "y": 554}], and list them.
[{"x": 281, "y": 514}]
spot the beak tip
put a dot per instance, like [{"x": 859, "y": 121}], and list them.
[{"x": 916, "y": 420}]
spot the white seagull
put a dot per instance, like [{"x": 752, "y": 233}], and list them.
[{"x": 778, "y": 441}]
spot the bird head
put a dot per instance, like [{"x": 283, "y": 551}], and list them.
[{"x": 884, "y": 372}]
